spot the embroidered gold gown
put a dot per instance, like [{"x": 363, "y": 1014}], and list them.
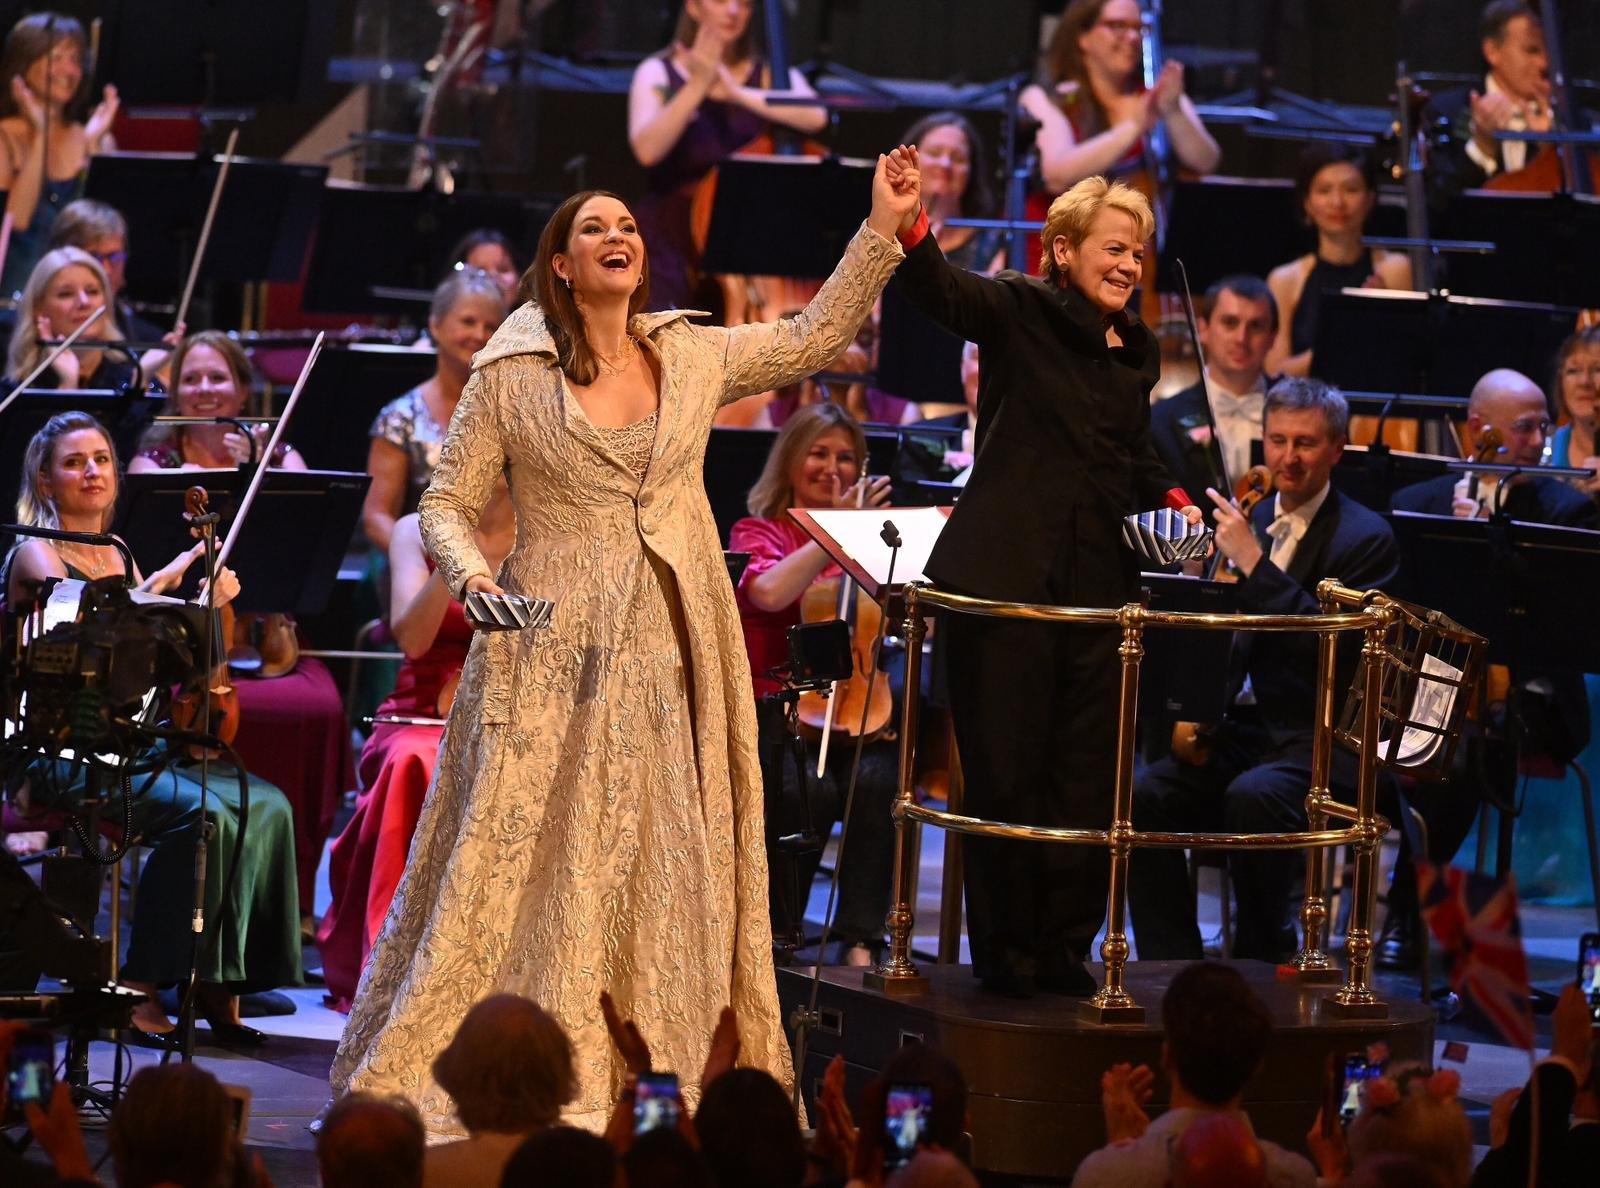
[{"x": 595, "y": 821}]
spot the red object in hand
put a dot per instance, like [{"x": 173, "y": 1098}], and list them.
[{"x": 1178, "y": 499}]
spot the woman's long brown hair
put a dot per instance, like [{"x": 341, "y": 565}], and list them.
[
  {"x": 541, "y": 285},
  {"x": 1063, "y": 62}
]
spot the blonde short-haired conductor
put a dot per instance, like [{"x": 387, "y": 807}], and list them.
[{"x": 1063, "y": 452}]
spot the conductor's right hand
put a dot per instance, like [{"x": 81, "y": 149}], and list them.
[{"x": 483, "y": 585}]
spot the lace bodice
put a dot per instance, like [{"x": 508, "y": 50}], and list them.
[{"x": 632, "y": 444}]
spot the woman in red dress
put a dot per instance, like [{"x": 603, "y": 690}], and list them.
[{"x": 396, "y": 766}]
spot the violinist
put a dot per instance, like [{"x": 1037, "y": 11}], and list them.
[
  {"x": 1577, "y": 385},
  {"x": 369, "y": 855},
  {"x": 406, "y": 435},
  {"x": 1095, "y": 114},
  {"x": 211, "y": 378},
  {"x": 1236, "y": 330},
  {"x": 867, "y": 404},
  {"x": 1335, "y": 189},
  {"x": 1259, "y": 767},
  {"x": 699, "y": 100},
  {"x": 101, "y": 231},
  {"x": 956, "y": 183},
  {"x": 488, "y": 251},
  {"x": 1063, "y": 454},
  {"x": 66, "y": 288},
  {"x": 292, "y": 727},
  {"x": 818, "y": 461},
  {"x": 1513, "y": 405},
  {"x": 45, "y": 140},
  {"x": 1514, "y": 97},
  {"x": 70, "y": 481}
]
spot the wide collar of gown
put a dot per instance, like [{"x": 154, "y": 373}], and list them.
[{"x": 525, "y": 332}]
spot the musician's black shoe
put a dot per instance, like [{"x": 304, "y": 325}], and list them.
[{"x": 1397, "y": 944}]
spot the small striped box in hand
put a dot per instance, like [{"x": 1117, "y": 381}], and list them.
[
  {"x": 1165, "y": 537},
  {"x": 506, "y": 612}
]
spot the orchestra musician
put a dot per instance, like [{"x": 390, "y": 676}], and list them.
[
  {"x": 1513, "y": 404},
  {"x": 819, "y": 461},
  {"x": 65, "y": 289},
  {"x": 1063, "y": 453},
  {"x": 699, "y": 100},
  {"x": 406, "y": 435},
  {"x": 45, "y": 140},
  {"x": 603, "y": 770},
  {"x": 70, "y": 481},
  {"x": 369, "y": 855},
  {"x": 1236, "y": 331},
  {"x": 1514, "y": 96},
  {"x": 292, "y": 728},
  {"x": 101, "y": 231},
  {"x": 956, "y": 183},
  {"x": 1255, "y": 777},
  {"x": 489, "y": 251},
  {"x": 1577, "y": 381},
  {"x": 1094, "y": 112},
  {"x": 1335, "y": 190},
  {"x": 867, "y": 403}
]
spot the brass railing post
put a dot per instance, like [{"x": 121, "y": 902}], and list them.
[
  {"x": 897, "y": 975},
  {"x": 1356, "y": 997},
  {"x": 1312, "y": 963},
  {"x": 1112, "y": 1002}
]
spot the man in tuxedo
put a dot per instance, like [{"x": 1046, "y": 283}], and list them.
[
  {"x": 1238, "y": 328},
  {"x": 958, "y": 460},
  {"x": 1515, "y": 96},
  {"x": 1259, "y": 770},
  {"x": 1513, "y": 404}
]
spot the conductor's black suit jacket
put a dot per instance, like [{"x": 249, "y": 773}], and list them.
[{"x": 1062, "y": 445}]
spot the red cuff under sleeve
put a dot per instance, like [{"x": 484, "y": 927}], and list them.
[
  {"x": 919, "y": 230},
  {"x": 1178, "y": 499}
]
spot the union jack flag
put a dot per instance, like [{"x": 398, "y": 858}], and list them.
[{"x": 1475, "y": 920}]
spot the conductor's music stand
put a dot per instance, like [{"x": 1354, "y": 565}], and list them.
[
  {"x": 264, "y": 221},
  {"x": 289, "y": 554}
]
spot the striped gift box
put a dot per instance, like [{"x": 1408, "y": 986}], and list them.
[
  {"x": 1164, "y": 537},
  {"x": 506, "y": 612}
]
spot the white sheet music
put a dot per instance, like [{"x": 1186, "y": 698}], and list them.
[
  {"x": 1431, "y": 705},
  {"x": 857, "y": 532}
]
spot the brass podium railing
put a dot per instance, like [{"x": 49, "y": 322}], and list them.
[{"x": 1395, "y": 638}]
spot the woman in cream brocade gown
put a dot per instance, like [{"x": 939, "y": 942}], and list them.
[{"x": 596, "y": 818}]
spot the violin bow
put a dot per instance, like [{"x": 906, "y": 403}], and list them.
[
  {"x": 55, "y": 353},
  {"x": 1221, "y": 472},
  {"x": 205, "y": 229},
  {"x": 265, "y": 458}
]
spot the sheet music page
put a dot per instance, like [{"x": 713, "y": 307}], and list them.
[
  {"x": 1430, "y": 705},
  {"x": 857, "y": 532}
]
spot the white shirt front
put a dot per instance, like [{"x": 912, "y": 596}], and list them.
[
  {"x": 1238, "y": 418},
  {"x": 1287, "y": 529},
  {"x": 1513, "y": 153}
]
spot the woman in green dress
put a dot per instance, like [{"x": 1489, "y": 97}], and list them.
[{"x": 252, "y": 939}]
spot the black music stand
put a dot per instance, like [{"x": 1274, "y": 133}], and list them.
[
  {"x": 1372, "y": 474},
  {"x": 264, "y": 221},
  {"x": 1544, "y": 246},
  {"x": 1185, "y": 674},
  {"x": 1380, "y": 340},
  {"x": 345, "y": 391},
  {"x": 383, "y": 248},
  {"x": 918, "y": 359},
  {"x": 289, "y": 554},
  {"x": 1265, "y": 205},
  {"x": 786, "y": 216}
]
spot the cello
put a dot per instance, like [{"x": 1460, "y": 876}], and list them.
[{"x": 1555, "y": 168}]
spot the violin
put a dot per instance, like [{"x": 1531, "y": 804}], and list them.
[
  {"x": 1490, "y": 442},
  {"x": 263, "y": 645},
  {"x": 217, "y": 712},
  {"x": 1191, "y": 741},
  {"x": 839, "y": 711}
]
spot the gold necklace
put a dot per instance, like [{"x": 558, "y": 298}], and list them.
[
  {"x": 94, "y": 568},
  {"x": 608, "y": 364}
]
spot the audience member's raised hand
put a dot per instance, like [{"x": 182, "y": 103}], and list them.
[
  {"x": 1572, "y": 1030},
  {"x": 724, "y": 1051},
  {"x": 625, "y": 1037},
  {"x": 619, "y": 1127},
  {"x": 1500, "y": 1111},
  {"x": 59, "y": 1136},
  {"x": 1124, "y": 1090},
  {"x": 1328, "y": 1148},
  {"x": 866, "y": 1163},
  {"x": 835, "y": 1140}
]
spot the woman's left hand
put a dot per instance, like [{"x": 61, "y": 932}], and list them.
[
  {"x": 227, "y": 587},
  {"x": 896, "y": 192},
  {"x": 1193, "y": 514},
  {"x": 101, "y": 118}
]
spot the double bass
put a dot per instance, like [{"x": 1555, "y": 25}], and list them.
[{"x": 1554, "y": 168}]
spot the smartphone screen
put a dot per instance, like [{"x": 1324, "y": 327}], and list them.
[
  {"x": 1589, "y": 971},
  {"x": 907, "y": 1114},
  {"x": 31, "y": 1075},
  {"x": 655, "y": 1102},
  {"x": 1356, "y": 1070}
]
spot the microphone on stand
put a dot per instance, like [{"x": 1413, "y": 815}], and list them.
[{"x": 890, "y": 534}]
